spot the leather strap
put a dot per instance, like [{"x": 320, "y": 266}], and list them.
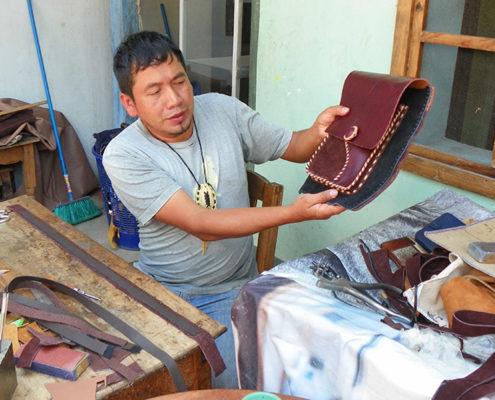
[
  {"x": 131, "y": 374},
  {"x": 473, "y": 323},
  {"x": 396, "y": 244},
  {"x": 76, "y": 336},
  {"x": 107, "y": 316},
  {"x": 479, "y": 383},
  {"x": 203, "y": 338},
  {"x": 118, "y": 376},
  {"x": 378, "y": 264},
  {"x": 27, "y": 354},
  {"x": 29, "y": 351},
  {"x": 44, "y": 312},
  {"x": 421, "y": 267},
  {"x": 46, "y": 340}
]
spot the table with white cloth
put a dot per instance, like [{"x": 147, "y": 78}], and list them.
[{"x": 295, "y": 338}]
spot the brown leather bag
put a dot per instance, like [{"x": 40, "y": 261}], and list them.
[
  {"x": 361, "y": 155},
  {"x": 474, "y": 291}
]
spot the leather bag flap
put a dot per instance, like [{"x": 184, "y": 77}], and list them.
[{"x": 373, "y": 100}]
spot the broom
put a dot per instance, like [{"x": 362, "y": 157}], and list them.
[{"x": 74, "y": 211}]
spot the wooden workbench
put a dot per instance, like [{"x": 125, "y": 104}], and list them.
[{"x": 26, "y": 251}]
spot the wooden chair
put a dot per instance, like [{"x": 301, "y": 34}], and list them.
[{"x": 269, "y": 194}]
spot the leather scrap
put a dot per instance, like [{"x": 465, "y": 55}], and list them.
[
  {"x": 27, "y": 353},
  {"x": 117, "y": 323},
  {"x": 117, "y": 377},
  {"x": 82, "y": 389}
]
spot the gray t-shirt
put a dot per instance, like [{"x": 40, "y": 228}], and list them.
[{"x": 145, "y": 173}]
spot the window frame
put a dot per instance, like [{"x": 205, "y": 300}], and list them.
[{"x": 409, "y": 37}]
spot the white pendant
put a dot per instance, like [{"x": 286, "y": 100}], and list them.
[{"x": 205, "y": 196}]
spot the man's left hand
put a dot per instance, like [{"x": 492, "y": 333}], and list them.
[{"x": 326, "y": 118}]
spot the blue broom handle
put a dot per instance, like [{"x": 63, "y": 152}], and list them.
[{"x": 49, "y": 100}]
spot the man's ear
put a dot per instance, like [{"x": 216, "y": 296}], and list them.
[{"x": 128, "y": 104}]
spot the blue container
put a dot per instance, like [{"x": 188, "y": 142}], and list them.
[{"x": 124, "y": 221}]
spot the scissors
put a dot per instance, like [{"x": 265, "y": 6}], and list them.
[
  {"x": 359, "y": 291},
  {"x": 4, "y": 215}
]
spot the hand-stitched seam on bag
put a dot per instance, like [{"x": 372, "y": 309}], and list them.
[
  {"x": 347, "y": 158},
  {"x": 397, "y": 119},
  {"x": 417, "y": 124}
]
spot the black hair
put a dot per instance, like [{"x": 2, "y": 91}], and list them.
[{"x": 140, "y": 50}]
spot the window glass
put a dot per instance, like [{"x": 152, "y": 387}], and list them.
[
  {"x": 462, "y": 119},
  {"x": 466, "y": 17}
]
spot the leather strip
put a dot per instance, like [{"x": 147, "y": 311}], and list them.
[
  {"x": 76, "y": 336},
  {"x": 203, "y": 338},
  {"x": 66, "y": 331},
  {"x": 378, "y": 265},
  {"x": 117, "y": 376},
  {"x": 473, "y": 323},
  {"x": 28, "y": 352},
  {"x": 131, "y": 374},
  {"x": 44, "y": 312},
  {"x": 479, "y": 383},
  {"x": 46, "y": 340},
  {"x": 107, "y": 316},
  {"x": 46, "y": 296},
  {"x": 97, "y": 363}
]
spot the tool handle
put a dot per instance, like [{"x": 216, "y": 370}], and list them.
[{"x": 49, "y": 100}]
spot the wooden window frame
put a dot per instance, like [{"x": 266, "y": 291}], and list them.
[{"x": 409, "y": 38}]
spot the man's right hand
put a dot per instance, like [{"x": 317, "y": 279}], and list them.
[{"x": 314, "y": 206}]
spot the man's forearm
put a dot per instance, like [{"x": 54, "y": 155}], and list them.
[
  {"x": 220, "y": 224},
  {"x": 207, "y": 224},
  {"x": 302, "y": 145}
]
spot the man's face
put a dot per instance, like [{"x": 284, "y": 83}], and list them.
[{"x": 163, "y": 100}]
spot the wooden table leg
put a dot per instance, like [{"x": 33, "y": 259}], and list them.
[{"x": 29, "y": 169}]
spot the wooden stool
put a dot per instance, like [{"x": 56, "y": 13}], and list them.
[
  {"x": 22, "y": 151},
  {"x": 215, "y": 394}
]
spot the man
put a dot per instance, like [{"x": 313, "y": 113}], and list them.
[{"x": 180, "y": 169}]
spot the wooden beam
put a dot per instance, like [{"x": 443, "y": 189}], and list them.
[
  {"x": 403, "y": 21},
  {"x": 429, "y": 153},
  {"x": 24, "y": 107},
  {"x": 450, "y": 175},
  {"x": 465, "y": 41},
  {"x": 420, "y": 11}
]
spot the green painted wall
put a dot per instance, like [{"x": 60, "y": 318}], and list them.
[{"x": 305, "y": 51}]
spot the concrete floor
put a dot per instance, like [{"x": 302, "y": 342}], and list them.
[{"x": 97, "y": 229}]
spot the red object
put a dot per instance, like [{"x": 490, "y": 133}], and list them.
[{"x": 60, "y": 361}]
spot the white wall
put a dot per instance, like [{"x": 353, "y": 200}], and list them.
[
  {"x": 75, "y": 41},
  {"x": 305, "y": 51}
]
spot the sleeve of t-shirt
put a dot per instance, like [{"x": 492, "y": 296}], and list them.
[
  {"x": 261, "y": 140},
  {"x": 139, "y": 183}
]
